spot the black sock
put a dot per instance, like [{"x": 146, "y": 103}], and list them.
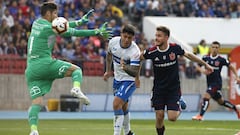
[
  {"x": 204, "y": 106},
  {"x": 229, "y": 105},
  {"x": 160, "y": 131}
]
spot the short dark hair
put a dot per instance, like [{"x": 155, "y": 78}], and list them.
[
  {"x": 48, "y": 6},
  {"x": 130, "y": 29},
  {"x": 163, "y": 29},
  {"x": 216, "y": 42}
]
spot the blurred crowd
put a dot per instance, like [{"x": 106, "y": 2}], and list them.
[{"x": 17, "y": 16}]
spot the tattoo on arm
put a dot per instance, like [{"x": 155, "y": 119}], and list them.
[
  {"x": 108, "y": 62},
  {"x": 131, "y": 70}
]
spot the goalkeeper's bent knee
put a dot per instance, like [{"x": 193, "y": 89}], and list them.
[{"x": 77, "y": 75}]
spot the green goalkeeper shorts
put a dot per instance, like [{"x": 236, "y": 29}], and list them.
[{"x": 40, "y": 75}]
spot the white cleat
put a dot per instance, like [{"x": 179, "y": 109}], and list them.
[
  {"x": 76, "y": 92},
  {"x": 34, "y": 132}
]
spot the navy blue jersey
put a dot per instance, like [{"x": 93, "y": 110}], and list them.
[
  {"x": 217, "y": 62},
  {"x": 165, "y": 66}
]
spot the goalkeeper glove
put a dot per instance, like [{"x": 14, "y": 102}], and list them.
[
  {"x": 85, "y": 19},
  {"x": 104, "y": 31}
]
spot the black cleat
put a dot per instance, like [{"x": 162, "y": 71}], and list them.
[{"x": 130, "y": 133}]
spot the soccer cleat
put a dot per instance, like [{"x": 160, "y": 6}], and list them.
[
  {"x": 130, "y": 133},
  {"x": 238, "y": 111},
  {"x": 34, "y": 132},
  {"x": 182, "y": 103},
  {"x": 197, "y": 117},
  {"x": 76, "y": 92}
]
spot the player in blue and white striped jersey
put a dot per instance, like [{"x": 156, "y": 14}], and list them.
[{"x": 125, "y": 55}]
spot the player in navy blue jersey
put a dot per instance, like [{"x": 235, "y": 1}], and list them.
[
  {"x": 214, "y": 81},
  {"x": 166, "y": 91}
]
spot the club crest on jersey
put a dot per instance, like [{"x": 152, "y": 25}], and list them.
[
  {"x": 217, "y": 63},
  {"x": 172, "y": 56}
]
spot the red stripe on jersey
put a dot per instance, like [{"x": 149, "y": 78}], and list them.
[
  {"x": 172, "y": 44},
  {"x": 152, "y": 48}
]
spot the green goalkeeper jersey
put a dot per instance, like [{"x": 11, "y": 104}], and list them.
[{"x": 42, "y": 39}]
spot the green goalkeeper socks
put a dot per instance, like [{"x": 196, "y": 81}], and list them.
[
  {"x": 33, "y": 116},
  {"x": 77, "y": 78}
]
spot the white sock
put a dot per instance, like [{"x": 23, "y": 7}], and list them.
[
  {"x": 118, "y": 123},
  {"x": 126, "y": 123}
]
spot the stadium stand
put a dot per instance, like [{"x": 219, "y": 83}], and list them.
[{"x": 16, "y": 18}]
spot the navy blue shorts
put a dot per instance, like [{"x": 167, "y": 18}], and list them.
[
  {"x": 170, "y": 100},
  {"x": 215, "y": 92}
]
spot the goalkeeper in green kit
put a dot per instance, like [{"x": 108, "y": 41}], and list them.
[{"x": 42, "y": 69}]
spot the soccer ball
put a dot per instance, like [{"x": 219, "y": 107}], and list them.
[{"x": 60, "y": 25}]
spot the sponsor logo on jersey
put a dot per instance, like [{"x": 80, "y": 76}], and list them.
[{"x": 165, "y": 64}]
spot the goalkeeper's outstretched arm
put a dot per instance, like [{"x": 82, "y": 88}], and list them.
[
  {"x": 82, "y": 21},
  {"x": 103, "y": 31}
]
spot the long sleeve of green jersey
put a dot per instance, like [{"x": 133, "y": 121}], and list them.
[
  {"x": 79, "y": 33},
  {"x": 73, "y": 24}
]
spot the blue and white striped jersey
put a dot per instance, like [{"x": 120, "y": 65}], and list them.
[{"x": 131, "y": 56}]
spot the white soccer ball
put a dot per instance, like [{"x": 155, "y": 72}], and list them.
[{"x": 60, "y": 25}]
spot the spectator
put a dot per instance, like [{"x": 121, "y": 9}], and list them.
[
  {"x": 5, "y": 39},
  {"x": 78, "y": 57},
  {"x": 191, "y": 71},
  {"x": 1, "y": 51},
  {"x": 182, "y": 11},
  {"x": 4, "y": 28},
  {"x": 10, "y": 49},
  {"x": 202, "y": 48},
  {"x": 27, "y": 26},
  {"x": 115, "y": 10},
  {"x": 67, "y": 53},
  {"x": 13, "y": 9},
  {"x": 140, "y": 7},
  {"x": 205, "y": 11},
  {"x": 160, "y": 11},
  {"x": 22, "y": 48},
  {"x": 24, "y": 8},
  {"x": 116, "y": 28},
  {"x": 32, "y": 16},
  {"x": 182, "y": 66},
  {"x": 235, "y": 10},
  {"x": 2, "y": 9},
  {"x": 221, "y": 11},
  {"x": 56, "y": 51},
  {"x": 149, "y": 10},
  {"x": 35, "y": 8}
]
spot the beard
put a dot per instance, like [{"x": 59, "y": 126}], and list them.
[{"x": 159, "y": 44}]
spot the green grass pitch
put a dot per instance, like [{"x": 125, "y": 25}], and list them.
[{"x": 105, "y": 127}]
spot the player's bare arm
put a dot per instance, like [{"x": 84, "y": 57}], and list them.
[
  {"x": 107, "y": 74},
  {"x": 194, "y": 58},
  {"x": 130, "y": 69},
  {"x": 234, "y": 70},
  {"x": 141, "y": 56},
  {"x": 137, "y": 78}
]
